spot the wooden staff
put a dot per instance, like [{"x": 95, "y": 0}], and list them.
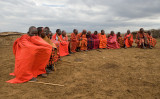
[
  {"x": 47, "y": 83},
  {"x": 59, "y": 39}
]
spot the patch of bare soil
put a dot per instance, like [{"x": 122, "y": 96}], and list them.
[{"x": 104, "y": 74}]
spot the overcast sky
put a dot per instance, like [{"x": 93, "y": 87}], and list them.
[{"x": 117, "y": 15}]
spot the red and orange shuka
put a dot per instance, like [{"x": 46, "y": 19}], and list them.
[
  {"x": 31, "y": 57},
  {"x": 102, "y": 40},
  {"x": 74, "y": 42},
  {"x": 150, "y": 40},
  {"x": 112, "y": 42},
  {"x": 96, "y": 41},
  {"x": 128, "y": 38},
  {"x": 61, "y": 44},
  {"x": 83, "y": 42},
  {"x": 140, "y": 38},
  {"x": 120, "y": 40}
]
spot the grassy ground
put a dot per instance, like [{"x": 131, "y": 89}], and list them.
[{"x": 121, "y": 73}]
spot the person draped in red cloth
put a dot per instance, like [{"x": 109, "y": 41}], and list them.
[
  {"x": 112, "y": 41},
  {"x": 96, "y": 40},
  {"x": 55, "y": 55},
  {"x": 102, "y": 39},
  {"x": 74, "y": 40},
  {"x": 151, "y": 42},
  {"x": 61, "y": 45},
  {"x": 65, "y": 44},
  {"x": 90, "y": 41},
  {"x": 141, "y": 39},
  {"x": 44, "y": 33},
  {"x": 83, "y": 41},
  {"x": 32, "y": 54},
  {"x": 120, "y": 39},
  {"x": 128, "y": 39}
]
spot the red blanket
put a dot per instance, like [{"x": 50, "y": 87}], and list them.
[
  {"x": 31, "y": 57},
  {"x": 63, "y": 45},
  {"x": 112, "y": 42},
  {"x": 128, "y": 42}
]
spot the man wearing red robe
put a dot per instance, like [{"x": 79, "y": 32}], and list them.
[
  {"x": 32, "y": 54},
  {"x": 44, "y": 33},
  {"x": 74, "y": 40},
  {"x": 65, "y": 42},
  {"x": 151, "y": 42},
  {"x": 141, "y": 39},
  {"x": 90, "y": 41},
  {"x": 102, "y": 39},
  {"x": 128, "y": 39},
  {"x": 112, "y": 41},
  {"x": 95, "y": 40},
  {"x": 83, "y": 41},
  {"x": 120, "y": 39},
  {"x": 62, "y": 46}
]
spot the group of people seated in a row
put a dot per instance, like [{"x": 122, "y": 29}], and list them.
[{"x": 37, "y": 51}]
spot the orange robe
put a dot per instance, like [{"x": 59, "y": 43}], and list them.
[
  {"x": 74, "y": 42},
  {"x": 150, "y": 40},
  {"x": 64, "y": 46},
  {"x": 128, "y": 42},
  {"x": 83, "y": 42},
  {"x": 103, "y": 41}
]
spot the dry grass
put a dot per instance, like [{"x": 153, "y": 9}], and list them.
[{"x": 122, "y": 73}]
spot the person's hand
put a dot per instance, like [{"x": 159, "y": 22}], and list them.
[{"x": 129, "y": 38}]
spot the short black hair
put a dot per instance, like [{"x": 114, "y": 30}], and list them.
[
  {"x": 39, "y": 30},
  {"x": 47, "y": 28},
  {"x": 57, "y": 30},
  {"x": 74, "y": 30},
  {"x": 95, "y": 31},
  {"x": 30, "y": 28},
  {"x": 102, "y": 30}
]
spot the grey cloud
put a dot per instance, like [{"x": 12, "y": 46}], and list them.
[{"x": 18, "y": 15}]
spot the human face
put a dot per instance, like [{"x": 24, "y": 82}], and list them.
[
  {"x": 112, "y": 33},
  {"x": 141, "y": 30},
  {"x": 59, "y": 32},
  {"x": 103, "y": 32},
  {"x": 33, "y": 32},
  {"x": 128, "y": 31},
  {"x": 64, "y": 33},
  {"x": 43, "y": 33}
]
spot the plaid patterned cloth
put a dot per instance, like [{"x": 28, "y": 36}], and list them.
[
  {"x": 140, "y": 38},
  {"x": 90, "y": 43},
  {"x": 151, "y": 41},
  {"x": 51, "y": 60},
  {"x": 120, "y": 40}
]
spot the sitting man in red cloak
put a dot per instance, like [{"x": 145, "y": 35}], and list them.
[
  {"x": 112, "y": 41},
  {"x": 128, "y": 39},
  {"x": 83, "y": 40},
  {"x": 74, "y": 41},
  {"x": 141, "y": 39},
  {"x": 44, "y": 33},
  {"x": 151, "y": 42},
  {"x": 32, "y": 54},
  {"x": 62, "y": 45}
]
